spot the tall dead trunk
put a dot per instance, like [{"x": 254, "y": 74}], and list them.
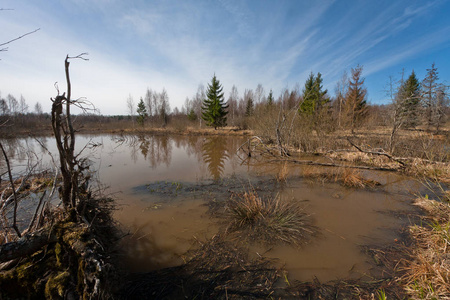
[{"x": 65, "y": 141}]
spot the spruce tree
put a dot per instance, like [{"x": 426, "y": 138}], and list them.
[
  {"x": 270, "y": 99},
  {"x": 409, "y": 97},
  {"x": 313, "y": 96},
  {"x": 214, "y": 109},
  {"x": 307, "y": 106},
  {"x": 249, "y": 107},
  {"x": 142, "y": 112},
  {"x": 355, "y": 100}
]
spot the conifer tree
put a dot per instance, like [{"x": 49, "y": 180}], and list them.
[
  {"x": 409, "y": 97},
  {"x": 142, "y": 112},
  {"x": 214, "y": 109},
  {"x": 355, "y": 100},
  {"x": 313, "y": 96},
  {"x": 270, "y": 99},
  {"x": 249, "y": 102}
]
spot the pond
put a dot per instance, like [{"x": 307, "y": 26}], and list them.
[{"x": 166, "y": 188}]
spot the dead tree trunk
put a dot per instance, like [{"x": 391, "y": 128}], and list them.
[{"x": 65, "y": 141}]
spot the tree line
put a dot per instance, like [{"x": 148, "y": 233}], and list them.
[
  {"x": 10, "y": 106},
  {"x": 413, "y": 103}
]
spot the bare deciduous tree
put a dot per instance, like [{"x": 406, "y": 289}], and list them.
[
  {"x": 38, "y": 108},
  {"x": 233, "y": 104},
  {"x": 340, "y": 92},
  {"x": 131, "y": 106},
  {"x": 149, "y": 101},
  {"x": 164, "y": 108},
  {"x": 23, "y": 106},
  {"x": 434, "y": 98},
  {"x": 13, "y": 104},
  {"x": 259, "y": 94}
]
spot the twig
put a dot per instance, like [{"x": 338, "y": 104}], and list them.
[
  {"x": 14, "y": 192},
  {"x": 17, "y": 38}
]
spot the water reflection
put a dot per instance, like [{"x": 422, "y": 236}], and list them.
[
  {"x": 23, "y": 154},
  {"x": 155, "y": 150},
  {"x": 215, "y": 154},
  {"x": 159, "y": 234}
]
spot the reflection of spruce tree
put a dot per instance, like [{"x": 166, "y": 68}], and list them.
[
  {"x": 214, "y": 155},
  {"x": 144, "y": 144}
]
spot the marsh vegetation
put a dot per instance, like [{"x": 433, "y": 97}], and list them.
[{"x": 316, "y": 200}]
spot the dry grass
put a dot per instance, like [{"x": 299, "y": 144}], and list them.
[
  {"x": 434, "y": 171},
  {"x": 283, "y": 173},
  {"x": 351, "y": 178},
  {"x": 428, "y": 275},
  {"x": 268, "y": 220},
  {"x": 348, "y": 177}
]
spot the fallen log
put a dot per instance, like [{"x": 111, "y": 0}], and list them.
[{"x": 27, "y": 244}]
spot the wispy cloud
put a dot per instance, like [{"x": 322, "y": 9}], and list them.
[{"x": 177, "y": 45}]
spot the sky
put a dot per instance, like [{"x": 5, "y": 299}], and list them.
[{"x": 177, "y": 45}]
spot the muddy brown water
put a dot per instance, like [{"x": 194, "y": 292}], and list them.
[{"x": 163, "y": 185}]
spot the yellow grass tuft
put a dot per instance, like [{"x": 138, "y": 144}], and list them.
[
  {"x": 428, "y": 274},
  {"x": 268, "y": 220}
]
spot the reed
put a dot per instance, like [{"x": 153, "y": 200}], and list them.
[{"x": 268, "y": 220}]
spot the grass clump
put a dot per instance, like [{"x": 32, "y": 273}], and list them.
[
  {"x": 345, "y": 176},
  {"x": 268, "y": 220},
  {"x": 428, "y": 275}
]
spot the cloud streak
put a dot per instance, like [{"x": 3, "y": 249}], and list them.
[{"x": 178, "y": 45}]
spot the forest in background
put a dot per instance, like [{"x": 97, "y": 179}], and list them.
[{"x": 308, "y": 119}]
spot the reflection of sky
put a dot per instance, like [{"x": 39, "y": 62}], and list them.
[{"x": 137, "y": 161}]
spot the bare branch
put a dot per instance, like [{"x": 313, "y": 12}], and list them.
[
  {"x": 13, "y": 190},
  {"x": 17, "y": 38},
  {"x": 396, "y": 159},
  {"x": 80, "y": 56}
]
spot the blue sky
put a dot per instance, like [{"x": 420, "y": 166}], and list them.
[{"x": 178, "y": 45}]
